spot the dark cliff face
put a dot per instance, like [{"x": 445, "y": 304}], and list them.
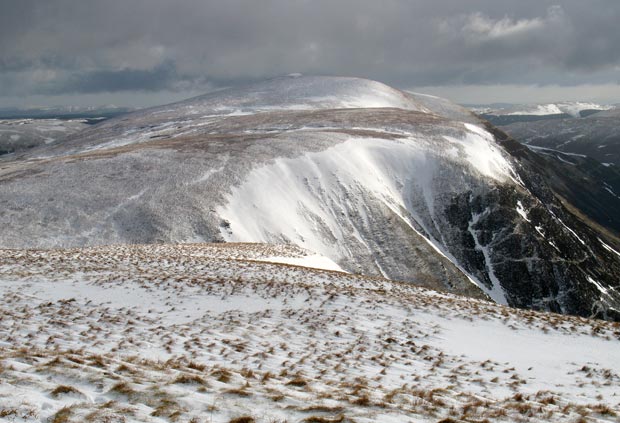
[
  {"x": 540, "y": 264},
  {"x": 544, "y": 256}
]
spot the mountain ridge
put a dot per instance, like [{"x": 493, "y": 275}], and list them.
[{"x": 426, "y": 193}]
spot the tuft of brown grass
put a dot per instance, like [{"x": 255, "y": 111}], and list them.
[
  {"x": 196, "y": 366},
  {"x": 123, "y": 388},
  {"x": 363, "y": 401},
  {"x": 9, "y": 412},
  {"x": 61, "y": 416},
  {"x": 321, "y": 419},
  {"x": 222, "y": 375},
  {"x": 242, "y": 419},
  {"x": 603, "y": 409},
  {"x": 241, "y": 392},
  {"x": 65, "y": 390},
  {"x": 98, "y": 361},
  {"x": 298, "y": 382},
  {"x": 168, "y": 408},
  {"x": 190, "y": 379}
]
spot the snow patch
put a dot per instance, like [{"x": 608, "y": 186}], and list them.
[
  {"x": 482, "y": 153},
  {"x": 543, "y": 149},
  {"x": 313, "y": 261},
  {"x": 206, "y": 176},
  {"x": 608, "y": 248},
  {"x": 571, "y": 231},
  {"x": 598, "y": 285},
  {"x": 496, "y": 292},
  {"x": 539, "y": 110},
  {"x": 522, "y": 211}
]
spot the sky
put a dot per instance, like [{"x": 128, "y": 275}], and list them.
[{"x": 145, "y": 52}]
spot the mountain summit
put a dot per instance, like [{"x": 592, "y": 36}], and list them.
[{"x": 383, "y": 182}]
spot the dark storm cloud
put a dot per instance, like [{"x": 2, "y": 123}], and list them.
[
  {"x": 87, "y": 46},
  {"x": 161, "y": 77}
]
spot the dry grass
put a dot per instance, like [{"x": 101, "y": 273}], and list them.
[
  {"x": 299, "y": 382},
  {"x": 168, "y": 408},
  {"x": 242, "y": 419},
  {"x": 124, "y": 389},
  {"x": 12, "y": 414},
  {"x": 240, "y": 392},
  {"x": 321, "y": 419},
  {"x": 603, "y": 409},
  {"x": 62, "y": 416},
  {"x": 65, "y": 390},
  {"x": 189, "y": 379},
  {"x": 275, "y": 356},
  {"x": 221, "y": 375}
]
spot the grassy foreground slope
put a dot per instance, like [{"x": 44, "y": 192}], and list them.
[{"x": 224, "y": 333}]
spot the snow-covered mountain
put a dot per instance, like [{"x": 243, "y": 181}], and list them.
[
  {"x": 508, "y": 113},
  {"x": 597, "y": 136},
  {"x": 223, "y": 334},
  {"x": 382, "y": 182}
]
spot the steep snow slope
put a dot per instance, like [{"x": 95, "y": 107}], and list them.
[
  {"x": 211, "y": 333},
  {"x": 402, "y": 185},
  {"x": 404, "y": 176}
]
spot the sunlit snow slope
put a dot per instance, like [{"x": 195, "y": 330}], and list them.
[
  {"x": 300, "y": 199},
  {"x": 382, "y": 182}
]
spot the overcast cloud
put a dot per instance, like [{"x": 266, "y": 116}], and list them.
[{"x": 145, "y": 51}]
